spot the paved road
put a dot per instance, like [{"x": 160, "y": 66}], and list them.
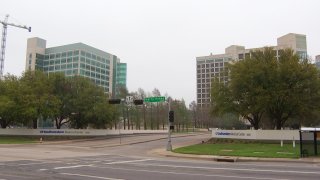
[{"x": 102, "y": 159}]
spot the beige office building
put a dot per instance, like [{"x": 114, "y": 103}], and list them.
[{"x": 213, "y": 65}]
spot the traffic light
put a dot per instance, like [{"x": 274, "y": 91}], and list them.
[
  {"x": 114, "y": 101},
  {"x": 138, "y": 102},
  {"x": 171, "y": 116}
]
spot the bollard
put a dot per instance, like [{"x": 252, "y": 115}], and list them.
[
  {"x": 281, "y": 143},
  {"x": 293, "y": 142},
  {"x": 41, "y": 140}
]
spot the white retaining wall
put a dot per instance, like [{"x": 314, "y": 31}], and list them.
[
  {"x": 257, "y": 134},
  {"x": 74, "y": 132}
]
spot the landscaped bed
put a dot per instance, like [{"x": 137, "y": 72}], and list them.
[{"x": 242, "y": 148}]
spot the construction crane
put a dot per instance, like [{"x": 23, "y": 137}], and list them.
[{"x": 3, "y": 40}]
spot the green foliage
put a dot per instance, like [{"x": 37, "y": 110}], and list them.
[
  {"x": 9, "y": 100},
  {"x": 74, "y": 101},
  {"x": 294, "y": 91},
  {"x": 262, "y": 85}
]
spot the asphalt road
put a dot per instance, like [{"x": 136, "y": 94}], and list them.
[{"x": 105, "y": 159}]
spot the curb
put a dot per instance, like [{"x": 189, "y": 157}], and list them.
[{"x": 165, "y": 153}]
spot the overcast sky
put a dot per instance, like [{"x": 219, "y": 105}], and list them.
[{"x": 158, "y": 39}]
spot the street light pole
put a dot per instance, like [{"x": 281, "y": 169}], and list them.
[{"x": 169, "y": 146}]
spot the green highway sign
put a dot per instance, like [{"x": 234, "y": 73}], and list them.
[{"x": 155, "y": 99}]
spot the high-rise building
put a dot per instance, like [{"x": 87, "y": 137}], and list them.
[
  {"x": 214, "y": 65},
  {"x": 76, "y": 59},
  {"x": 317, "y": 61}
]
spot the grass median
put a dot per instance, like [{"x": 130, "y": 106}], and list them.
[
  {"x": 245, "y": 149},
  {"x": 17, "y": 140}
]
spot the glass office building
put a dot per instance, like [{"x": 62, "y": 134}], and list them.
[{"x": 75, "y": 59}]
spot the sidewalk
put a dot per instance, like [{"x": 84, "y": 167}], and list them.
[{"x": 165, "y": 153}]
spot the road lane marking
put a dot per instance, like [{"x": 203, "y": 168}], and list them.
[
  {"x": 191, "y": 174},
  {"x": 84, "y": 175},
  {"x": 35, "y": 163},
  {"x": 231, "y": 169},
  {"x": 43, "y": 169},
  {"x": 124, "y": 162},
  {"x": 70, "y": 167}
]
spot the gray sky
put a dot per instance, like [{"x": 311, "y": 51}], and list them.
[{"x": 159, "y": 39}]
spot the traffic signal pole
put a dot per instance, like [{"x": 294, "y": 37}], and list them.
[{"x": 169, "y": 146}]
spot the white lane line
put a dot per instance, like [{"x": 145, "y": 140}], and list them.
[
  {"x": 231, "y": 169},
  {"x": 35, "y": 163},
  {"x": 133, "y": 161},
  {"x": 70, "y": 167},
  {"x": 43, "y": 169},
  {"x": 84, "y": 175},
  {"x": 191, "y": 174}
]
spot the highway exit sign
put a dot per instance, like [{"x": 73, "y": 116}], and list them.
[{"x": 155, "y": 99}]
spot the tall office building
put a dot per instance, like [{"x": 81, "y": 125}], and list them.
[
  {"x": 317, "y": 61},
  {"x": 213, "y": 65},
  {"x": 75, "y": 59}
]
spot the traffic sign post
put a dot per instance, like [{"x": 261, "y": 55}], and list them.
[
  {"x": 170, "y": 116},
  {"x": 169, "y": 146},
  {"x": 129, "y": 99}
]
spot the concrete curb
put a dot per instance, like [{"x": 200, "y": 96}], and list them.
[{"x": 165, "y": 153}]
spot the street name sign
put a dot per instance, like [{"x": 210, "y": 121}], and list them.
[{"x": 155, "y": 99}]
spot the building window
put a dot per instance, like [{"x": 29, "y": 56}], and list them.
[
  {"x": 69, "y": 60},
  {"x": 52, "y": 56},
  {"x": 75, "y": 65},
  {"x": 76, "y": 59},
  {"x": 57, "y": 67},
  {"x": 240, "y": 56},
  {"x": 70, "y": 53}
]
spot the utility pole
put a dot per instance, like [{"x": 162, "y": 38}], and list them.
[{"x": 5, "y": 24}]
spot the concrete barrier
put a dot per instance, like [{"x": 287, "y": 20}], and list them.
[{"x": 74, "y": 132}]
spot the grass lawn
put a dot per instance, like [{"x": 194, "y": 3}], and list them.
[
  {"x": 17, "y": 140},
  {"x": 243, "y": 149}
]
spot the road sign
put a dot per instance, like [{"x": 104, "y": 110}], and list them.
[
  {"x": 129, "y": 99},
  {"x": 155, "y": 99}
]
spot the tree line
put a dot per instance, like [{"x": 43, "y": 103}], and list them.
[
  {"x": 152, "y": 115},
  {"x": 269, "y": 91},
  {"x": 76, "y": 102}
]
